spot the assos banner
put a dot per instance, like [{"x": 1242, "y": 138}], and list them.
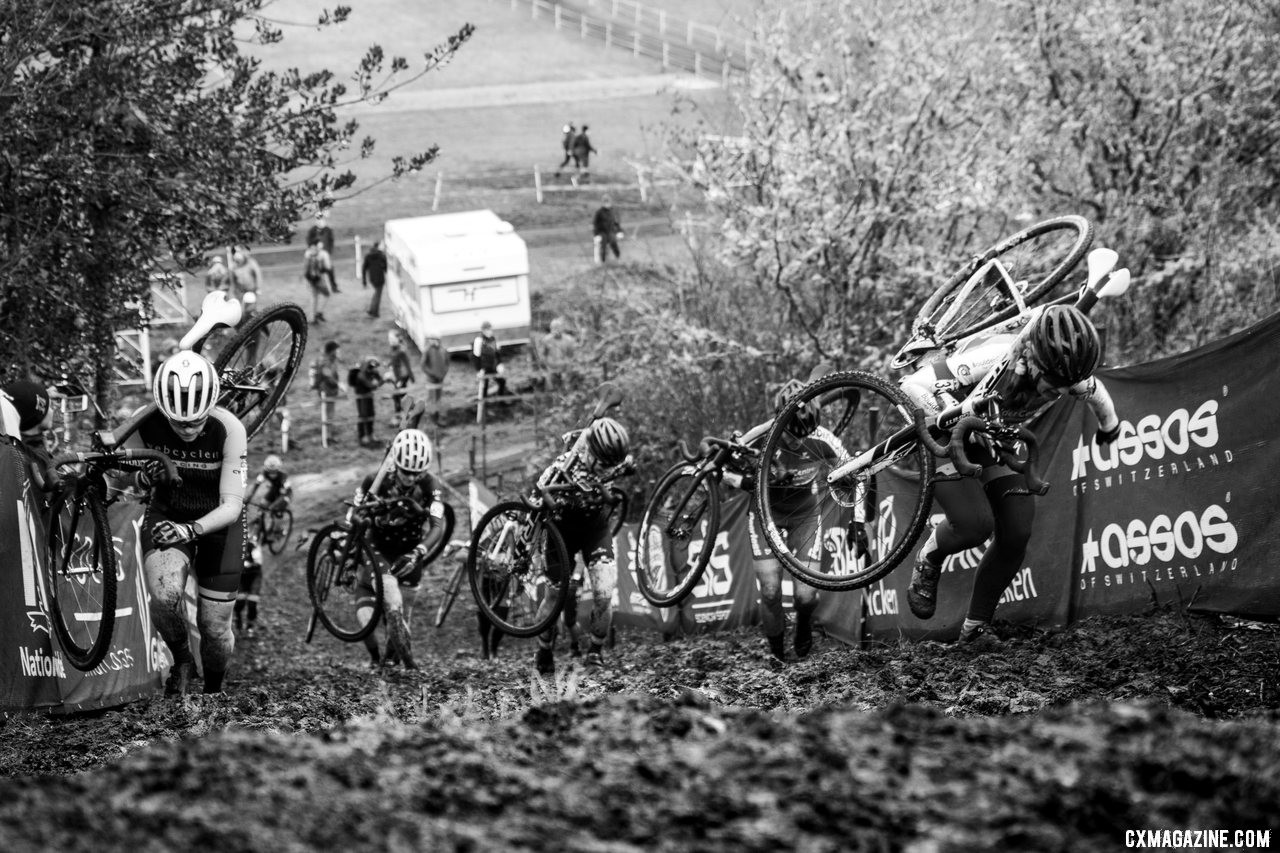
[{"x": 33, "y": 671}]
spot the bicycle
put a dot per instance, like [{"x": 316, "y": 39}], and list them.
[
  {"x": 340, "y": 551},
  {"x": 518, "y": 566},
  {"x": 83, "y": 569},
  {"x": 271, "y": 527},
  {"x": 881, "y": 429}
]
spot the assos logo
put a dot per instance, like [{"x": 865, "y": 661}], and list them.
[
  {"x": 1160, "y": 540},
  {"x": 1151, "y": 438}
]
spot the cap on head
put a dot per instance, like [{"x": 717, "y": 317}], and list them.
[
  {"x": 331, "y": 347},
  {"x": 31, "y": 400}
]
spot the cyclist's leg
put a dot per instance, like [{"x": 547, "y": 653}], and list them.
[
  {"x": 805, "y": 597},
  {"x": 602, "y": 575},
  {"x": 366, "y": 600},
  {"x": 166, "y": 572},
  {"x": 1014, "y": 510},
  {"x": 769, "y": 578},
  {"x": 219, "y": 562},
  {"x": 399, "y": 643}
]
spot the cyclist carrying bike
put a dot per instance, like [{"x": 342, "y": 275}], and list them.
[
  {"x": 196, "y": 528},
  {"x": 401, "y": 538},
  {"x": 808, "y": 451},
  {"x": 1058, "y": 355},
  {"x": 587, "y": 531}
]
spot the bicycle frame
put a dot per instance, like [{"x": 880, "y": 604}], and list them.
[{"x": 979, "y": 405}]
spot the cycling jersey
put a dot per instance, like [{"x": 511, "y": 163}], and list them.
[
  {"x": 212, "y": 466},
  {"x": 277, "y": 483},
  {"x": 395, "y": 531}
]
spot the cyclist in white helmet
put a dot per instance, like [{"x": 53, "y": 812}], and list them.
[
  {"x": 198, "y": 527},
  {"x": 401, "y": 537}
]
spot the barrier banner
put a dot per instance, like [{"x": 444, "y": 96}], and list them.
[{"x": 33, "y": 671}]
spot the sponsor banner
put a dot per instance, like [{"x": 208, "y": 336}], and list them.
[{"x": 33, "y": 671}]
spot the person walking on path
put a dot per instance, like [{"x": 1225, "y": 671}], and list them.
[
  {"x": 570, "y": 132},
  {"x": 317, "y": 267},
  {"x": 435, "y": 367},
  {"x": 582, "y": 151},
  {"x": 607, "y": 230},
  {"x": 365, "y": 380},
  {"x": 373, "y": 273},
  {"x": 324, "y": 234},
  {"x": 401, "y": 370}
]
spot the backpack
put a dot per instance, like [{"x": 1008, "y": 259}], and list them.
[
  {"x": 353, "y": 376},
  {"x": 314, "y": 269}
]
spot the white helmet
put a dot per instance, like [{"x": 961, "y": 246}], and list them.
[
  {"x": 272, "y": 463},
  {"x": 186, "y": 387},
  {"x": 411, "y": 451}
]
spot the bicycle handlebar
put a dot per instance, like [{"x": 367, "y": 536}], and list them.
[{"x": 112, "y": 459}]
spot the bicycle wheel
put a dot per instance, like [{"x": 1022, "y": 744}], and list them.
[
  {"x": 451, "y": 590},
  {"x": 1032, "y": 263},
  {"x": 333, "y": 583},
  {"x": 258, "y": 364},
  {"x": 677, "y": 535},
  {"x": 519, "y": 569},
  {"x": 855, "y": 531},
  {"x": 82, "y": 574},
  {"x": 278, "y": 534}
]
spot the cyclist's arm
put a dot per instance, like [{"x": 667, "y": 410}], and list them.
[
  {"x": 235, "y": 473},
  {"x": 1093, "y": 392},
  {"x": 435, "y": 523}
]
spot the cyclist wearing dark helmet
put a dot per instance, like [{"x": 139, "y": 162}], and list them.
[
  {"x": 586, "y": 531},
  {"x": 198, "y": 527},
  {"x": 402, "y": 537},
  {"x": 1057, "y": 353},
  {"x": 807, "y": 452}
]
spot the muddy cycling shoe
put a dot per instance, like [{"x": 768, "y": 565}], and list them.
[
  {"x": 180, "y": 678},
  {"x": 398, "y": 643},
  {"x": 545, "y": 661},
  {"x": 978, "y": 634},
  {"x": 804, "y": 639},
  {"x": 594, "y": 658},
  {"x": 922, "y": 592},
  {"x": 776, "y": 647}
]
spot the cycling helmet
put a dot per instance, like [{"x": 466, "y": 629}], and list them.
[
  {"x": 411, "y": 451},
  {"x": 805, "y": 419},
  {"x": 608, "y": 442},
  {"x": 272, "y": 463},
  {"x": 186, "y": 387},
  {"x": 1064, "y": 345}
]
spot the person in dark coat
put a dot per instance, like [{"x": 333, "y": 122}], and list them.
[
  {"x": 401, "y": 370},
  {"x": 582, "y": 151},
  {"x": 364, "y": 382},
  {"x": 606, "y": 229},
  {"x": 373, "y": 272},
  {"x": 435, "y": 366},
  {"x": 486, "y": 358},
  {"x": 570, "y": 132}
]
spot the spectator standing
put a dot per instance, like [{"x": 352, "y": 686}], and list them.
[
  {"x": 559, "y": 349},
  {"x": 317, "y": 267},
  {"x": 217, "y": 277},
  {"x": 435, "y": 367},
  {"x": 570, "y": 133},
  {"x": 373, "y": 273},
  {"x": 486, "y": 358},
  {"x": 582, "y": 151},
  {"x": 365, "y": 381},
  {"x": 326, "y": 379},
  {"x": 607, "y": 230},
  {"x": 246, "y": 279},
  {"x": 321, "y": 232},
  {"x": 401, "y": 370}
]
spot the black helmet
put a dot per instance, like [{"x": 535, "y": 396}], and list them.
[
  {"x": 608, "y": 442},
  {"x": 805, "y": 419},
  {"x": 1064, "y": 345}
]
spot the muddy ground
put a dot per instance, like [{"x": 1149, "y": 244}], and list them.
[{"x": 1047, "y": 740}]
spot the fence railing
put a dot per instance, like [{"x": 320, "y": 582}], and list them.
[{"x": 678, "y": 44}]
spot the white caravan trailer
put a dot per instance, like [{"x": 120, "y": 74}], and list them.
[{"x": 450, "y": 272}]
